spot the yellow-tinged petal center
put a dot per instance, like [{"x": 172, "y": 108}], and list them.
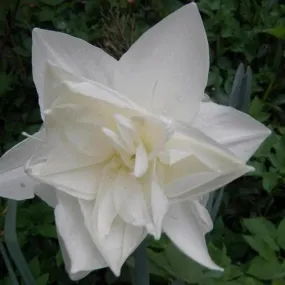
[{"x": 134, "y": 144}]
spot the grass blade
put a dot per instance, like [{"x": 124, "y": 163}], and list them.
[{"x": 13, "y": 247}]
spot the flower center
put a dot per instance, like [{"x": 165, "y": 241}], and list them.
[{"x": 127, "y": 141}]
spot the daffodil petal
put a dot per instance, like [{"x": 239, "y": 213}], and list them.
[
  {"x": 71, "y": 54},
  {"x": 47, "y": 193},
  {"x": 127, "y": 131},
  {"x": 208, "y": 186},
  {"x": 81, "y": 255},
  {"x": 104, "y": 211},
  {"x": 14, "y": 183},
  {"x": 141, "y": 161},
  {"x": 129, "y": 200},
  {"x": 119, "y": 244},
  {"x": 81, "y": 183},
  {"x": 203, "y": 216},
  {"x": 159, "y": 206},
  {"x": 234, "y": 130},
  {"x": 182, "y": 226},
  {"x": 165, "y": 71}
]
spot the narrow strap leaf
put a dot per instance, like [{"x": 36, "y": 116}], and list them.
[
  {"x": 236, "y": 96},
  {"x": 13, "y": 247},
  {"x": 240, "y": 100},
  {"x": 8, "y": 264},
  {"x": 141, "y": 265},
  {"x": 246, "y": 90},
  {"x": 217, "y": 203}
]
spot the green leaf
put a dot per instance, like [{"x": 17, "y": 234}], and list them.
[
  {"x": 183, "y": 267},
  {"x": 48, "y": 230},
  {"x": 171, "y": 5},
  {"x": 265, "y": 270},
  {"x": 235, "y": 96},
  {"x": 270, "y": 180},
  {"x": 261, "y": 247},
  {"x": 278, "y": 32},
  {"x": 257, "y": 110},
  {"x": 159, "y": 264},
  {"x": 59, "y": 259},
  {"x": 43, "y": 279},
  {"x": 241, "y": 91},
  {"x": 278, "y": 282},
  {"x": 281, "y": 234},
  {"x": 34, "y": 266},
  {"x": 6, "y": 81},
  {"x": 263, "y": 230},
  {"x": 265, "y": 149},
  {"x": 279, "y": 147},
  {"x": 260, "y": 226},
  {"x": 246, "y": 280},
  {"x": 46, "y": 15},
  {"x": 219, "y": 256},
  {"x": 52, "y": 2}
]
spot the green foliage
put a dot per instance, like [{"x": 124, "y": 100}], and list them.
[
  {"x": 249, "y": 235},
  {"x": 171, "y": 263}
]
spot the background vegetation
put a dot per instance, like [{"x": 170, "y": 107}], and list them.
[{"x": 249, "y": 235}]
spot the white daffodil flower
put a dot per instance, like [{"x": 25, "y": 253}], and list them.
[{"x": 129, "y": 147}]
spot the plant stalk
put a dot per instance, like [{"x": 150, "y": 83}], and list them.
[{"x": 141, "y": 265}]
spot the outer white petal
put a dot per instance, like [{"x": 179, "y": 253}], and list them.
[
  {"x": 85, "y": 96},
  {"x": 207, "y": 167},
  {"x": 189, "y": 183},
  {"x": 71, "y": 54},
  {"x": 183, "y": 227},
  {"x": 14, "y": 183},
  {"x": 47, "y": 193},
  {"x": 119, "y": 244},
  {"x": 166, "y": 70},
  {"x": 81, "y": 182},
  {"x": 203, "y": 216},
  {"x": 65, "y": 157},
  {"x": 79, "y": 251},
  {"x": 236, "y": 131},
  {"x": 67, "y": 262},
  {"x": 209, "y": 186}
]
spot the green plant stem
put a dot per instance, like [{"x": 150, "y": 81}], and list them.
[
  {"x": 13, "y": 247},
  {"x": 8, "y": 264},
  {"x": 141, "y": 265},
  {"x": 269, "y": 88}
]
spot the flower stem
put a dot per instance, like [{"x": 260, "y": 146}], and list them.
[
  {"x": 141, "y": 265},
  {"x": 10, "y": 236},
  {"x": 9, "y": 266}
]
